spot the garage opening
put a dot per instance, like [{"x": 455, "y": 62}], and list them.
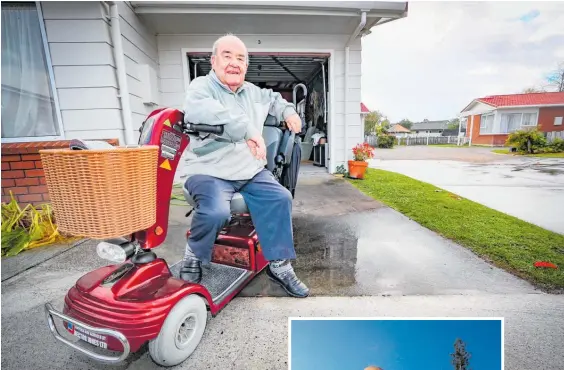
[{"x": 286, "y": 73}]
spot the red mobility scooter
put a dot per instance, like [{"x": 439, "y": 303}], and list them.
[{"x": 114, "y": 310}]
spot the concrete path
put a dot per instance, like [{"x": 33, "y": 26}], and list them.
[
  {"x": 531, "y": 189},
  {"x": 359, "y": 258},
  {"x": 473, "y": 154}
]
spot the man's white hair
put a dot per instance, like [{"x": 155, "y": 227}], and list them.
[{"x": 228, "y": 35}]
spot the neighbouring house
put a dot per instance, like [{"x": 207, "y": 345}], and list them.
[
  {"x": 94, "y": 70},
  {"x": 491, "y": 119},
  {"x": 398, "y": 130},
  {"x": 429, "y": 128},
  {"x": 364, "y": 111}
]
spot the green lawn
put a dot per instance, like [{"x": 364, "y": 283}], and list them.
[
  {"x": 504, "y": 240},
  {"x": 545, "y": 155}
]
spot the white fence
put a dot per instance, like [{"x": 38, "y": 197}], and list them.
[
  {"x": 372, "y": 140},
  {"x": 550, "y": 136}
]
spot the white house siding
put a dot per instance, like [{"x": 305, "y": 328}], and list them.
[
  {"x": 80, "y": 43},
  {"x": 172, "y": 82},
  {"x": 140, "y": 48}
]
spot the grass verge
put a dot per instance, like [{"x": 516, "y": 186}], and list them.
[
  {"x": 544, "y": 155},
  {"x": 503, "y": 240}
]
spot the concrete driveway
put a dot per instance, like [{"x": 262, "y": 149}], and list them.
[
  {"x": 359, "y": 257},
  {"x": 531, "y": 189}
]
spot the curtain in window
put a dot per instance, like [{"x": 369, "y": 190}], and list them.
[
  {"x": 486, "y": 124},
  {"x": 28, "y": 108},
  {"x": 510, "y": 122},
  {"x": 529, "y": 119}
]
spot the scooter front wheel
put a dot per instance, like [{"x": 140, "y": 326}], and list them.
[{"x": 181, "y": 332}]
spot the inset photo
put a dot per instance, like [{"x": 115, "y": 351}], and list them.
[{"x": 395, "y": 343}]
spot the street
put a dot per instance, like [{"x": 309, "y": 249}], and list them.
[{"x": 528, "y": 188}]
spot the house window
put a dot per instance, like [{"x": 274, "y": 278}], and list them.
[
  {"x": 510, "y": 122},
  {"x": 486, "y": 123},
  {"x": 557, "y": 121},
  {"x": 529, "y": 119},
  {"x": 28, "y": 104}
]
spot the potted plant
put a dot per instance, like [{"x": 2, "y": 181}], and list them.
[{"x": 357, "y": 167}]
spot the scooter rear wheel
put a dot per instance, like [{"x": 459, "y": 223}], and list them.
[{"x": 181, "y": 332}]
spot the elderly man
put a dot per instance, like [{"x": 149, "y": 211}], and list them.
[{"x": 235, "y": 162}]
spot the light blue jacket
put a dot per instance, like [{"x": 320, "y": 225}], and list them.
[{"x": 227, "y": 156}]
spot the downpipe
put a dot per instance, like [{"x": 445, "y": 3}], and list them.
[
  {"x": 347, "y": 58},
  {"x": 353, "y": 37},
  {"x": 121, "y": 73}
]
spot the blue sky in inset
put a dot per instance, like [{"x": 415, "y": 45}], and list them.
[{"x": 393, "y": 344}]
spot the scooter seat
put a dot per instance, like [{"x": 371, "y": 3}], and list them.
[{"x": 238, "y": 204}]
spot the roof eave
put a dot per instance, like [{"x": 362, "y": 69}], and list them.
[
  {"x": 375, "y": 12},
  {"x": 477, "y": 101}
]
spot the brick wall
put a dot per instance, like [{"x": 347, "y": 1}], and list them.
[
  {"x": 546, "y": 119},
  {"x": 22, "y": 171}
]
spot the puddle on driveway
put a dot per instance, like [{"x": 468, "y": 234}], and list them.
[
  {"x": 550, "y": 171},
  {"x": 383, "y": 253}
]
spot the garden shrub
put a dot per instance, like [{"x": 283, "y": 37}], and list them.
[
  {"x": 557, "y": 145},
  {"x": 527, "y": 141},
  {"x": 386, "y": 141}
]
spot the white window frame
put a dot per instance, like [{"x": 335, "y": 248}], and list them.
[
  {"x": 482, "y": 123},
  {"x": 556, "y": 119},
  {"x": 51, "y": 74},
  {"x": 521, "y": 125},
  {"x": 536, "y": 122}
]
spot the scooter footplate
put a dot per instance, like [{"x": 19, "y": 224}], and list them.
[{"x": 218, "y": 279}]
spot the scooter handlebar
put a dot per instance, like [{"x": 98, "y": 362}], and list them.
[{"x": 194, "y": 128}]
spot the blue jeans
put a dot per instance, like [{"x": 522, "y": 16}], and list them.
[{"x": 269, "y": 203}]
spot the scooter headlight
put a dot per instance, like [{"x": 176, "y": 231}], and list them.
[{"x": 111, "y": 252}]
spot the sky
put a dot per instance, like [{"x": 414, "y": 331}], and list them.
[
  {"x": 434, "y": 62},
  {"x": 392, "y": 344}
]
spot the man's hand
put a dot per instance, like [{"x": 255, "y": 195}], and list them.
[
  {"x": 294, "y": 123},
  {"x": 257, "y": 146}
]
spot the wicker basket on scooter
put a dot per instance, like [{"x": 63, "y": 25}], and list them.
[{"x": 104, "y": 193}]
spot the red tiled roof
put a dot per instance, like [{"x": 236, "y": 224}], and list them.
[
  {"x": 363, "y": 108},
  {"x": 549, "y": 98},
  {"x": 398, "y": 128}
]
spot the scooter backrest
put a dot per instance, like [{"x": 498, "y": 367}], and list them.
[
  {"x": 271, "y": 121},
  {"x": 272, "y": 138},
  {"x": 277, "y": 142}
]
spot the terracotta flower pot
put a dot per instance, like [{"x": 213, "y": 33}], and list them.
[{"x": 357, "y": 169}]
